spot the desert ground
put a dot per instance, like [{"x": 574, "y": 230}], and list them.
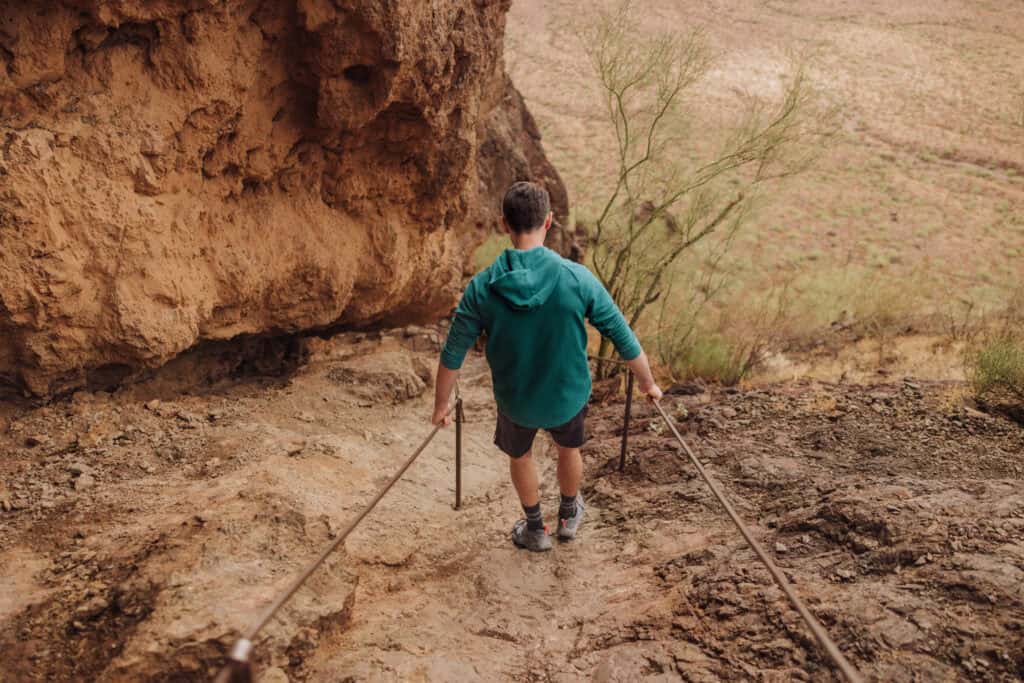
[
  {"x": 143, "y": 528},
  {"x": 911, "y": 219}
]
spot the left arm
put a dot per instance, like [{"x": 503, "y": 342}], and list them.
[
  {"x": 467, "y": 325},
  {"x": 446, "y": 379}
]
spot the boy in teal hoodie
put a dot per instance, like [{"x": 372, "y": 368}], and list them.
[{"x": 532, "y": 304}]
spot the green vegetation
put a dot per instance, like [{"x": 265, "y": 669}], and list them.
[
  {"x": 720, "y": 343},
  {"x": 997, "y": 366},
  {"x": 660, "y": 206},
  {"x": 906, "y": 225},
  {"x": 995, "y": 359},
  {"x": 490, "y": 250}
]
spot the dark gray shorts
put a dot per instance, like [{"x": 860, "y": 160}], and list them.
[{"x": 516, "y": 441}]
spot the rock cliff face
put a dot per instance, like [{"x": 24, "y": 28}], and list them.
[{"x": 173, "y": 172}]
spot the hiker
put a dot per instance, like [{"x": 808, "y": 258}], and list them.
[{"x": 531, "y": 303}]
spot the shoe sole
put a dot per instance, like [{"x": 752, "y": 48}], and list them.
[
  {"x": 532, "y": 550},
  {"x": 517, "y": 544}
]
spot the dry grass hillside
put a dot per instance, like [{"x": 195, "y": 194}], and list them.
[{"x": 912, "y": 217}]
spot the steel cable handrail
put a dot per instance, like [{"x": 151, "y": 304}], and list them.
[
  {"x": 238, "y": 668},
  {"x": 821, "y": 635},
  {"x": 849, "y": 672}
]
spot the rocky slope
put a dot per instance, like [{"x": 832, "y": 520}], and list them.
[
  {"x": 176, "y": 172},
  {"x": 141, "y": 530}
]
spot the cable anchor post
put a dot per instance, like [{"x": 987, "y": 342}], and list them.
[
  {"x": 625, "y": 421},
  {"x": 460, "y": 418},
  {"x": 238, "y": 668}
]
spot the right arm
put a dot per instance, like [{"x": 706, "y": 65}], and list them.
[
  {"x": 644, "y": 377},
  {"x": 609, "y": 321}
]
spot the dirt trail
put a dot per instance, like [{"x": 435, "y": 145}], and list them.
[{"x": 140, "y": 536}]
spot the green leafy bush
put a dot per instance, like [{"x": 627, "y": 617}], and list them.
[{"x": 996, "y": 365}]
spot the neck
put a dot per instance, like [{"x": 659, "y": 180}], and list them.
[{"x": 528, "y": 240}]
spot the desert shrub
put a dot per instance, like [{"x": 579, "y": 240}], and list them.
[
  {"x": 720, "y": 344},
  {"x": 995, "y": 359},
  {"x": 666, "y": 199},
  {"x": 489, "y": 250},
  {"x": 996, "y": 365},
  {"x": 711, "y": 357}
]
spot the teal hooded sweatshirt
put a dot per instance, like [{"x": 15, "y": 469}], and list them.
[{"x": 533, "y": 305}]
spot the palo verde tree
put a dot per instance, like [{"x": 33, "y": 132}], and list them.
[{"x": 660, "y": 203}]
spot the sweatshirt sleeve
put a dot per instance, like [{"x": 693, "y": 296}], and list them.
[
  {"x": 466, "y": 327},
  {"x": 608, "y": 319}
]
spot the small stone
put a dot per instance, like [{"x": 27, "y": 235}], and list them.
[
  {"x": 153, "y": 405},
  {"x": 190, "y": 419},
  {"x": 274, "y": 675},
  {"x": 293, "y": 448},
  {"x": 781, "y": 548},
  {"x": 845, "y": 574},
  {"x": 728, "y": 413},
  {"x": 78, "y": 468},
  {"x": 93, "y": 607},
  {"x": 33, "y": 441},
  {"x": 84, "y": 482},
  {"x": 805, "y": 539},
  {"x": 305, "y": 417},
  {"x": 90, "y": 439}
]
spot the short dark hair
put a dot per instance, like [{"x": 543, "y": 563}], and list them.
[{"x": 525, "y": 207}]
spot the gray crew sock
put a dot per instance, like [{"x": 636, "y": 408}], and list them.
[
  {"x": 567, "y": 508},
  {"x": 534, "y": 519}
]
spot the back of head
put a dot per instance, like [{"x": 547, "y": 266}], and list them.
[{"x": 525, "y": 207}]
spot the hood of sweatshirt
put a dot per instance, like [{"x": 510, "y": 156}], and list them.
[{"x": 525, "y": 279}]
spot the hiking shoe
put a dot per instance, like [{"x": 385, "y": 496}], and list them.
[
  {"x": 567, "y": 528},
  {"x": 524, "y": 537}
]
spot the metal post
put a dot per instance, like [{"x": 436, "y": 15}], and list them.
[
  {"x": 459, "y": 418},
  {"x": 625, "y": 425}
]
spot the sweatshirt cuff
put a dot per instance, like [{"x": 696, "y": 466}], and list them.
[
  {"x": 452, "y": 360},
  {"x": 630, "y": 350}
]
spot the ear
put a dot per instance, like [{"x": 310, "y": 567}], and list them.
[
  {"x": 505, "y": 226},
  {"x": 547, "y": 221}
]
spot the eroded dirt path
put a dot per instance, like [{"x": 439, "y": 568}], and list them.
[{"x": 896, "y": 512}]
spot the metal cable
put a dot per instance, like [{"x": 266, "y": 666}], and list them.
[
  {"x": 849, "y": 672},
  {"x": 238, "y": 666},
  {"x": 239, "y": 657}
]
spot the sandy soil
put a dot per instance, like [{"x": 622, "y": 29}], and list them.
[{"x": 142, "y": 530}]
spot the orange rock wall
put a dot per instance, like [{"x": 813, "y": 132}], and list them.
[{"x": 179, "y": 171}]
